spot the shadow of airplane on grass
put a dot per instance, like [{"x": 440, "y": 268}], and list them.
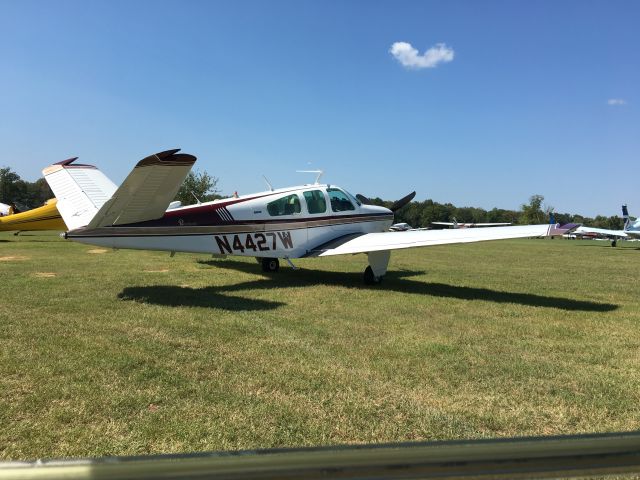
[
  {"x": 208, "y": 297},
  {"x": 395, "y": 281},
  {"x": 619, "y": 248},
  {"x": 33, "y": 239}
]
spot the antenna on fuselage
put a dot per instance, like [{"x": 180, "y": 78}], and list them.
[
  {"x": 268, "y": 183},
  {"x": 319, "y": 172},
  {"x": 197, "y": 199}
]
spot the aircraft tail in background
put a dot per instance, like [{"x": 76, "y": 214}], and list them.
[{"x": 625, "y": 217}]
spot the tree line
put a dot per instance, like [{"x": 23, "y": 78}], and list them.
[
  {"x": 203, "y": 187},
  {"x": 421, "y": 214}
]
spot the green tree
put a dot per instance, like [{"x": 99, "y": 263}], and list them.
[
  {"x": 198, "y": 186},
  {"x": 9, "y": 186},
  {"x": 532, "y": 213},
  {"x": 615, "y": 223}
]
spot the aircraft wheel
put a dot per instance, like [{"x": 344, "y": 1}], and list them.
[
  {"x": 270, "y": 265},
  {"x": 370, "y": 278},
  {"x": 614, "y": 243}
]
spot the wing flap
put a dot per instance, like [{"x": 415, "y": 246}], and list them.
[{"x": 373, "y": 242}]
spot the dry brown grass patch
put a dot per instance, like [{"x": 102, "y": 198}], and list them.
[{"x": 10, "y": 258}]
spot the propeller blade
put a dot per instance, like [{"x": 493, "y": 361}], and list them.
[
  {"x": 398, "y": 204},
  {"x": 363, "y": 199}
]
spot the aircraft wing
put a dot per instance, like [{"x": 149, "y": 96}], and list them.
[
  {"x": 601, "y": 231},
  {"x": 372, "y": 242},
  {"x": 499, "y": 224},
  {"x": 147, "y": 191},
  {"x": 450, "y": 224}
]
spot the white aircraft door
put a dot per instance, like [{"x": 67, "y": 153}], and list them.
[{"x": 341, "y": 205}]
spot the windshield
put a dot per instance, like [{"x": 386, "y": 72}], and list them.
[{"x": 354, "y": 199}]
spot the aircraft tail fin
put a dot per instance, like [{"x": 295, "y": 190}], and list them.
[
  {"x": 626, "y": 217},
  {"x": 147, "y": 191},
  {"x": 81, "y": 190}
]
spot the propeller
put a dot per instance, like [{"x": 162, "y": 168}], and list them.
[
  {"x": 363, "y": 199},
  {"x": 397, "y": 205}
]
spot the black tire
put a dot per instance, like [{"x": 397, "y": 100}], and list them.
[
  {"x": 370, "y": 278},
  {"x": 270, "y": 265},
  {"x": 614, "y": 243}
]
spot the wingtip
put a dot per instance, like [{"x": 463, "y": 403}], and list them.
[
  {"x": 168, "y": 157},
  {"x": 66, "y": 162}
]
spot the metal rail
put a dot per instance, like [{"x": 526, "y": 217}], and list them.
[{"x": 528, "y": 457}]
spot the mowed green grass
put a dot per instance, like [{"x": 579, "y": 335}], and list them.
[{"x": 132, "y": 352}]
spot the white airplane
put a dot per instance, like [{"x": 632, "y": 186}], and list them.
[
  {"x": 631, "y": 229},
  {"x": 456, "y": 224},
  {"x": 631, "y": 226},
  {"x": 314, "y": 220}
]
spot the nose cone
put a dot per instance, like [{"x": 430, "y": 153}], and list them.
[{"x": 375, "y": 210}]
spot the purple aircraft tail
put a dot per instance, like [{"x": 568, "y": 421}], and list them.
[{"x": 558, "y": 229}]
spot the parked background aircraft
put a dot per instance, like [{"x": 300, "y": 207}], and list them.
[
  {"x": 46, "y": 217},
  {"x": 456, "y": 224},
  {"x": 631, "y": 229},
  {"x": 5, "y": 209},
  {"x": 312, "y": 220}
]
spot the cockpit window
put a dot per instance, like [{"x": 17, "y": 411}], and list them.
[
  {"x": 315, "y": 201},
  {"x": 289, "y": 205},
  {"x": 339, "y": 200}
]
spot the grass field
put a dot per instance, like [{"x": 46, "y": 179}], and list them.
[{"x": 124, "y": 352}]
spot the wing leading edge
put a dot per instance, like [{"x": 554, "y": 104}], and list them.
[
  {"x": 601, "y": 231},
  {"x": 374, "y": 242}
]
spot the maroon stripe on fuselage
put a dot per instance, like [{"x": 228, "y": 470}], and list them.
[{"x": 201, "y": 215}]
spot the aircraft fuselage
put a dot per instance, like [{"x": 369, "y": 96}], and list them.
[{"x": 285, "y": 223}]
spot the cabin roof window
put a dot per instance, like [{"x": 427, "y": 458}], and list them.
[
  {"x": 339, "y": 200},
  {"x": 289, "y": 205},
  {"x": 316, "y": 202}
]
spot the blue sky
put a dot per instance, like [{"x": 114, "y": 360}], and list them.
[{"x": 254, "y": 88}]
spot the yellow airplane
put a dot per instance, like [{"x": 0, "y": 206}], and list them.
[{"x": 46, "y": 217}]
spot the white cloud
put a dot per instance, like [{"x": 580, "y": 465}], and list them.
[
  {"x": 616, "y": 101},
  {"x": 410, "y": 57}
]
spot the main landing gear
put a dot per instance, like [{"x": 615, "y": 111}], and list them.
[
  {"x": 378, "y": 262},
  {"x": 370, "y": 278},
  {"x": 614, "y": 243},
  {"x": 270, "y": 265}
]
